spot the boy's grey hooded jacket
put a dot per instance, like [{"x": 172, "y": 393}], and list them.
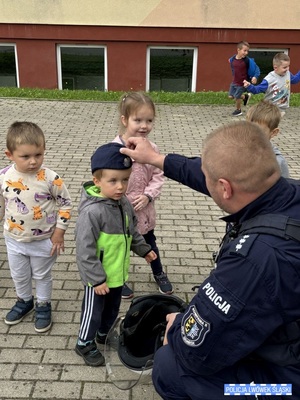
[{"x": 105, "y": 233}]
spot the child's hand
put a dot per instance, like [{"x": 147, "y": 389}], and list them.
[
  {"x": 140, "y": 202},
  {"x": 254, "y": 80},
  {"x": 101, "y": 290},
  {"x": 57, "y": 240},
  {"x": 246, "y": 83},
  {"x": 151, "y": 256}
]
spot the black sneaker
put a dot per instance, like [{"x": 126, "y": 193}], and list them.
[
  {"x": 43, "y": 319},
  {"x": 127, "y": 293},
  {"x": 19, "y": 311},
  {"x": 246, "y": 98},
  {"x": 90, "y": 354},
  {"x": 164, "y": 285},
  {"x": 100, "y": 339},
  {"x": 236, "y": 113}
]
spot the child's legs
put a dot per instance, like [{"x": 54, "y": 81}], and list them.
[
  {"x": 236, "y": 93},
  {"x": 91, "y": 314},
  {"x": 20, "y": 269},
  {"x": 112, "y": 301},
  {"x": 238, "y": 103},
  {"x": 239, "y": 96},
  {"x": 156, "y": 265},
  {"x": 231, "y": 93},
  {"x": 42, "y": 274},
  {"x": 41, "y": 267},
  {"x": 31, "y": 260}
]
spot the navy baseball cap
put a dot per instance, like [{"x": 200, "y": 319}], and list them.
[{"x": 108, "y": 156}]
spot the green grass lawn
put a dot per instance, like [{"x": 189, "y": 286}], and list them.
[{"x": 217, "y": 98}]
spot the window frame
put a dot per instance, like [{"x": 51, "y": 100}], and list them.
[
  {"x": 267, "y": 49},
  {"x": 59, "y": 66},
  {"x": 4, "y": 44},
  {"x": 194, "y": 69}
]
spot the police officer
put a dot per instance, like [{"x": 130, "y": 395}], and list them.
[{"x": 241, "y": 326}]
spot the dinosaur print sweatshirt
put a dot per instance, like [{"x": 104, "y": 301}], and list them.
[{"x": 33, "y": 205}]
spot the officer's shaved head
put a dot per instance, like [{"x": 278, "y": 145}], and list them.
[{"x": 241, "y": 154}]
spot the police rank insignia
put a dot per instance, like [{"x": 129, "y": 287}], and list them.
[
  {"x": 244, "y": 245},
  {"x": 194, "y": 328}
]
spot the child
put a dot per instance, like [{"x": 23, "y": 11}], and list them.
[
  {"x": 277, "y": 84},
  {"x": 242, "y": 68},
  {"x": 268, "y": 116},
  {"x": 33, "y": 229},
  {"x": 105, "y": 234},
  {"x": 137, "y": 113}
]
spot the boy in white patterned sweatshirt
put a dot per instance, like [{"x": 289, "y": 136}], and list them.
[{"x": 36, "y": 207}]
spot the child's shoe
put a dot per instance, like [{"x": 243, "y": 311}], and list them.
[
  {"x": 163, "y": 283},
  {"x": 100, "y": 338},
  {"x": 247, "y": 98},
  {"x": 43, "y": 319},
  {"x": 127, "y": 293},
  {"x": 237, "y": 113},
  {"x": 90, "y": 354},
  {"x": 19, "y": 311}
]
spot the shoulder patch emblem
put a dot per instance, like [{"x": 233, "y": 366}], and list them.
[{"x": 194, "y": 328}]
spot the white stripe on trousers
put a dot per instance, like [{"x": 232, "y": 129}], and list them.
[{"x": 89, "y": 295}]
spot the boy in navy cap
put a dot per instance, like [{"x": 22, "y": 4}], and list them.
[{"x": 105, "y": 233}]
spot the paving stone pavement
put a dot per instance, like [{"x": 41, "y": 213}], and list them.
[{"x": 45, "y": 366}]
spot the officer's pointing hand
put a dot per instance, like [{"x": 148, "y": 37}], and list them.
[{"x": 139, "y": 149}]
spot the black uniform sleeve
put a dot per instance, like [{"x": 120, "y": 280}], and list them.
[{"x": 186, "y": 171}]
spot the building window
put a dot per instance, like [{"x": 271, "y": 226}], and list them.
[
  {"x": 264, "y": 59},
  {"x": 8, "y": 66},
  {"x": 82, "y": 67},
  {"x": 171, "y": 69}
]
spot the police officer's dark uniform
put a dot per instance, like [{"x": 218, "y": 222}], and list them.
[{"x": 242, "y": 306}]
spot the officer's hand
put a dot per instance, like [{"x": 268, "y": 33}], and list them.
[
  {"x": 141, "y": 151},
  {"x": 170, "y": 319}
]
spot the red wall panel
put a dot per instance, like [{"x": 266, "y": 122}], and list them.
[
  {"x": 127, "y": 46},
  {"x": 37, "y": 64},
  {"x": 126, "y": 66}
]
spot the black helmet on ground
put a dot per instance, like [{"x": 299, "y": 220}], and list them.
[{"x": 137, "y": 336}]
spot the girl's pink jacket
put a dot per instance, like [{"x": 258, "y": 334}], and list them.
[{"x": 144, "y": 179}]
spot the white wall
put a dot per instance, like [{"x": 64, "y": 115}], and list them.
[{"x": 256, "y": 14}]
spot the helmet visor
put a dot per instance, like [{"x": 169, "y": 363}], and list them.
[{"x": 122, "y": 369}]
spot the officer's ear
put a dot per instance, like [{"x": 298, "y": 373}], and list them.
[{"x": 227, "y": 191}]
